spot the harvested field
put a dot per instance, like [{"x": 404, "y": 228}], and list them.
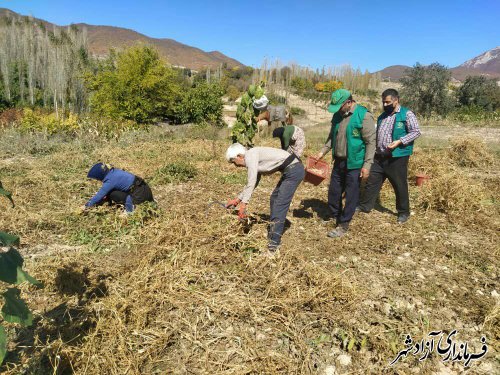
[{"x": 184, "y": 288}]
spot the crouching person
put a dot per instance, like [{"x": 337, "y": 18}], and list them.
[
  {"x": 261, "y": 161},
  {"x": 292, "y": 139},
  {"x": 118, "y": 187}
]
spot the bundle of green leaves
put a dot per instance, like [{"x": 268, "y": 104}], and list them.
[{"x": 245, "y": 127}]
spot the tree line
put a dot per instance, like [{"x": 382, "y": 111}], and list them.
[
  {"x": 429, "y": 90},
  {"x": 41, "y": 66},
  {"x": 51, "y": 68}
]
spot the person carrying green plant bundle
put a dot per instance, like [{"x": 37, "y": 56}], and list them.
[
  {"x": 292, "y": 139},
  {"x": 397, "y": 129},
  {"x": 262, "y": 161},
  {"x": 352, "y": 141},
  {"x": 118, "y": 187}
]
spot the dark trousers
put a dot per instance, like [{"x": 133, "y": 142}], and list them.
[
  {"x": 396, "y": 171},
  {"x": 117, "y": 197},
  {"x": 139, "y": 192},
  {"x": 343, "y": 180},
  {"x": 281, "y": 198}
]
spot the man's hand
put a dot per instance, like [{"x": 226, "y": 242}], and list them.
[
  {"x": 364, "y": 173},
  {"x": 394, "y": 144},
  {"x": 242, "y": 212},
  {"x": 318, "y": 156},
  {"x": 232, "y": 203}
]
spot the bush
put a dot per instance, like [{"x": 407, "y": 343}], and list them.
[
  {"x": 474, "y": 113},
  {"x": 479, "y": 92},
  {"x": 295, "y": 111},
  {"x": 275, "y": 99},
  {"x": 302, "y": 84},
  {"x": 175, "y": 172},
  {"x": 233, "y": 93},
  {"x": 329, "y": 86},
  {"x": 71, "y": 124},
  {"x": 202, "y": 103},
  {"x": 10, "y": 117},
  {"x": 33, "y": 121},
  {"x": 138, "y": 86}
]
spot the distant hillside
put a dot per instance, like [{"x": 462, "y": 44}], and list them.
[
  {"x": 393, "y": 72},
  {"x": 487, "y": 64},
  {"x": 102, "y": 38}
]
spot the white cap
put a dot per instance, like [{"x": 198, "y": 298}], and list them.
[
  {"x": 261, "y": 103},
  {"x": 234, "y": 150}
]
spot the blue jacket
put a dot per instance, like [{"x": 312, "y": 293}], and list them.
[{"x": 115, "y": 179}]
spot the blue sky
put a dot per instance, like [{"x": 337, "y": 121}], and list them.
[{"x": 367, "y": 34}]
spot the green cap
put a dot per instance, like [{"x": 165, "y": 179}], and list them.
[{"x": 338, "y": 98}]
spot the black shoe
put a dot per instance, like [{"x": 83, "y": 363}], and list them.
[
  {"x": 403, "y": 218},
  {"x": 360, "y": 209}
]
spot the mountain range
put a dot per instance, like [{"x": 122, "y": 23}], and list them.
[
  {"x": 487, "y": 64},
  {"x": 102, "y": 38}
]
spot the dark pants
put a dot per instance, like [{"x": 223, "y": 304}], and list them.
[
  {"x": 140, "y": 192},
  {"x": 281, "y": 198},
  {"x": 343, "y": 180},
  {"x": 396, "y": 171}
]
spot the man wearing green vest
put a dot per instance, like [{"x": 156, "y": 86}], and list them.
[
  {"x": 352, "y": 141},
  {"x": 397, "y": 129}
]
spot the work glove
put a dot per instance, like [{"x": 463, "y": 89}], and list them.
[
  {"x": 242, "y": 212},
  {"x": 232, "y": 203}
]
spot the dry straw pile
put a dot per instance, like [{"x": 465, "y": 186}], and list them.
[{"x": 454, "y": 187}]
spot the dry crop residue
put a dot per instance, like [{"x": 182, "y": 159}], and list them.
[{"x": 183, "y": 290}]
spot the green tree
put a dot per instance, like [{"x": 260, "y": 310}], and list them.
[
  {"x": 232, "y": 92},
  {"x": 425, "y": 89},
  {"x": 138, "y": 86},
  {"x": 481, "y": 92},
  {"x": 202, "y": 104},
  {"x": 302, "y": 84}
]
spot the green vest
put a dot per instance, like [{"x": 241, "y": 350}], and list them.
[
  {"x": 287, "y": 135},
  {"x": 355, "y": 144},
  {"x": 399, "y": 130}
]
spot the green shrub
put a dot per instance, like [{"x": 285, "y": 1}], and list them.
[
  {"x": 275, "y": 99},
  {"x": 71, "y": 124},
  {"x": 474, "y": 113},
  {"x": 302, "y": 84},
  {"x": 297, "y": 111},
  {"x": 175, "y": 172},
  {"x": 202, "y": 103},
  {"x": 233, "y": 93},
  {"x": 479, "y": 92},
  {"x": 48, "y": 123},
  {"x": 138, "y": 86}
]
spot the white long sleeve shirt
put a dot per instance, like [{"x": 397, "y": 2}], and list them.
[{"x": 261, "y": 160}]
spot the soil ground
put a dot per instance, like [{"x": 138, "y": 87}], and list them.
[{"x": 185, "y": 288}]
